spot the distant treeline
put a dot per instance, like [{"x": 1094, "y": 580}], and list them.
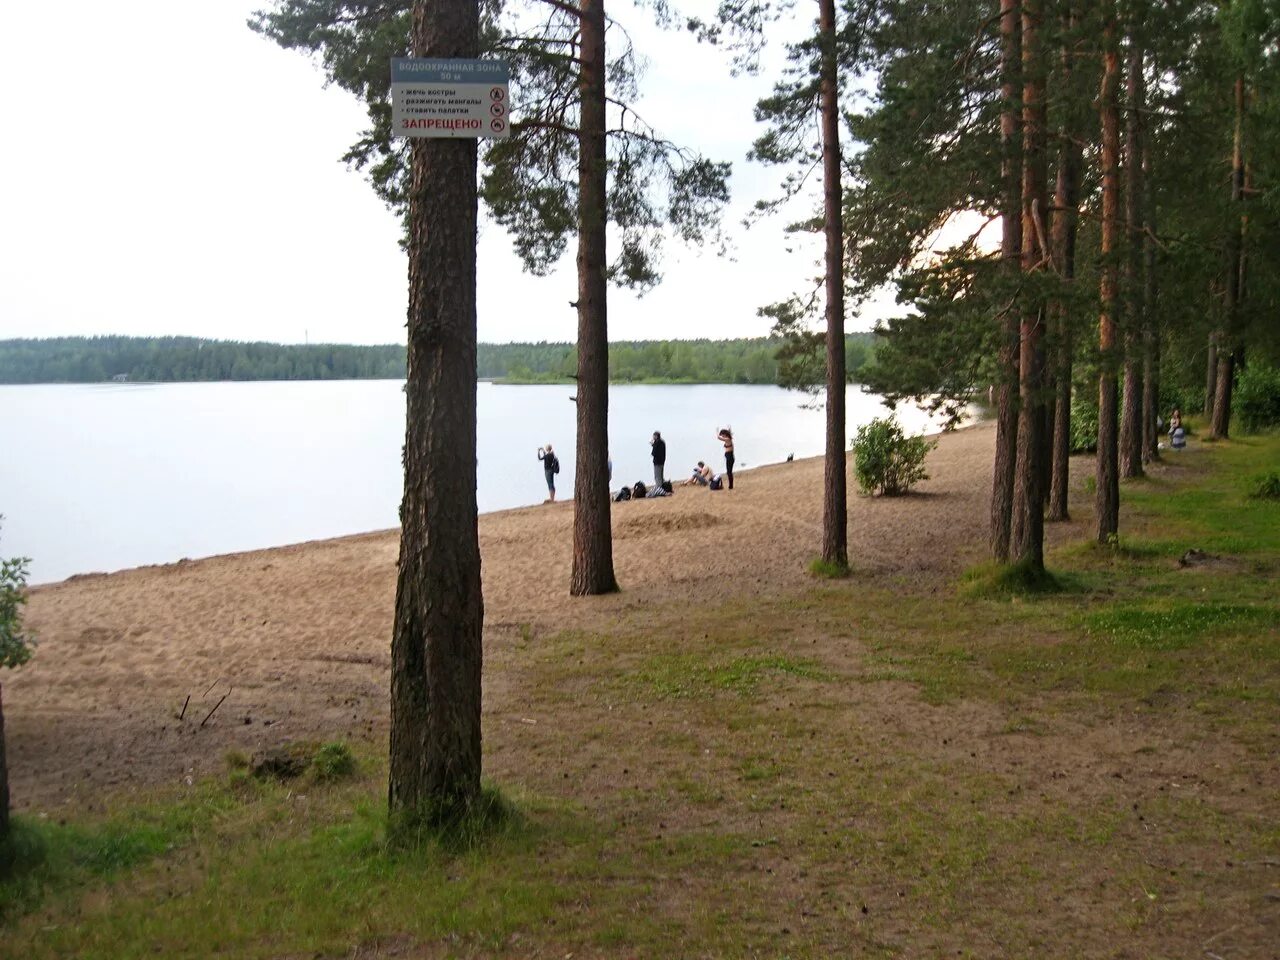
[
  {"x": 751, "y": 360},
  {"x": 166, "y": 359},
  {"x": 96, "y": 359}
]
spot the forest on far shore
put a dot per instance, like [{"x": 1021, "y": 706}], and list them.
[{"x": 185, "y": 359}]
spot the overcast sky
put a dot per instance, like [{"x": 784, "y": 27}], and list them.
[{"x": 169, "y": 172}]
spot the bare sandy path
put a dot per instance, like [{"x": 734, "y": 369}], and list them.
[{"x": 299, "y": 636}]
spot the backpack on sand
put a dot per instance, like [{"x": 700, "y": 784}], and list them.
[
  {"x": 621, "y": 495},
  {"x": 639, "y": 490},
  {"x": 716, "y": 483}
]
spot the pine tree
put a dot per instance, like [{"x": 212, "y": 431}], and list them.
[{"x": 436, "y": 649}]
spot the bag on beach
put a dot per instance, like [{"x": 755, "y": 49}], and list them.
[
  {"x": 666, "y": 485},
  {"x": 717, "y": 483},
  {"x": 623, "y": 494},
  {"x": 639, "y": 490}
]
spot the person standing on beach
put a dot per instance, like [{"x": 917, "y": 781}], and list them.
[
  {"x": 550, "y": 467},
  {"x": 725, "y": 436},
  {"x": 659, "y": 457}
]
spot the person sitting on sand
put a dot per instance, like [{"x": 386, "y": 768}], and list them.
[{"x": 701, "y": 476}]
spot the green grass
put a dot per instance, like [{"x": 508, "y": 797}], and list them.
[
  {"x": 1011, "y": 580},
  {"x": 691, "y": 676},
  {"x": 828, "y": 570}
]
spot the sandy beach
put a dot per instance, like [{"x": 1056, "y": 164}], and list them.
[{"x": 296, "y": 638}]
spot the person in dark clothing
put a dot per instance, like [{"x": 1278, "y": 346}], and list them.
[
  {"x": 550, "y": 467},
  {"x": 725, "y": 436},
  {"x": 659, "y": 457}
]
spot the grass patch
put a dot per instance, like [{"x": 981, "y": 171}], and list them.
[
  {"x": 1265, "y": 486},
  {"x": 1178, "y": 624},
  {"x": 333, "y": 761},
  {"x": 1012, "y": 580},
  {"x": 690, "y": 676},
  {"x": 50, "y": 857},
  {"x": 828, "y": 570},
  {"x": 457, "y": 828}
]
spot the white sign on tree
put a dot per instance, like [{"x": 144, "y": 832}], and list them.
[{"x": 449, "y": 98}]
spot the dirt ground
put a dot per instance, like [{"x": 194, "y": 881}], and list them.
[{"x": 297, "y": 638}]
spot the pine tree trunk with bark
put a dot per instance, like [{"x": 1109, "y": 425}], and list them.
[
  {"x": 1027, "y": 530},
  {"x": 1151, "y": 328},
  {"x": 1107, "y": 496},
  {"x": 1131, "y": 420},
  {"x": 1007, "y": 384},
  {"x": 1224, "y": 380},
  {"x": 592, "y": 525},
  {"x": 835, "y": 535},
  {"x": 436, "y": 647},
  {"x": 1211, "y": 376},
  {"x": 1066, "y": 199}
]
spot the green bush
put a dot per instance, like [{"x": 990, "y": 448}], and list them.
[
  {"x": 887, "y": 461},
  {"x": 1084, "y": 420},
  {"x": 333, "y": 761},
  {"x": 1265, "y": 486},
  {"x": 1256, "y": 397}
]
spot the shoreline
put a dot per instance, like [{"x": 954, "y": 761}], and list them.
[
  {"x": 299, "y": 634},
  {"x": 385, "y": 531}
]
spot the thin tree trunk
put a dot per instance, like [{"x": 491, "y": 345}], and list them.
[
  {"x": 1211, "y": 376},
  {"x": 436, "y": 644},
  {"x": 1107, "y": 496},
  {"x": 1027, "y": 533},
  {"x": 1220, "y": 423},
  {"x": 1150, "y": 327},
  {"x": 4, "y": 796},
  {"x": 1010, "y": 255},
  {"x": 592, "y": 530},
  {"x": 1132, "y": 416},
  {"x": 1066, "y": 198},
  {"x": 835, "y": 533}
]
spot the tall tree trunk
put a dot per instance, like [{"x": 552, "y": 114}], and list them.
[
  {"x": 1010, "y": 256},
  {"x": 1211, "y": 376},
  {"x": 1132, "y": 416},
  {"x": 1107, "y": 496},
  {"x": 4, "y": 797},
  {"x": 1220, "y": 423},
  {"x": 1150, "y": 327},
  {"x": 436, "y": 642},
  {"x": 1066, "y": 199},
  {"x": 592, "y": 530},
  {"x": 835, "y": 535},
  {"x": 1027, "y": 533}
]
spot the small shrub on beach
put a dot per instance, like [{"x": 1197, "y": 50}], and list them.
[
  {"x": 333, "y": 761},
  {"x": 887, "y": 461}
]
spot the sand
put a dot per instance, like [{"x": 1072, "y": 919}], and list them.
[{"x": 297, "y": 638}]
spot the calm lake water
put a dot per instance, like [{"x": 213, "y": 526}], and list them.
[{"x": 110, "y": 476}]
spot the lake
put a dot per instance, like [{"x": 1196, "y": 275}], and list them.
[{"x": 109, "y": 476}]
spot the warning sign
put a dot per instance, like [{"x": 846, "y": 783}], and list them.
[{"x": 449, "y": 98}]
